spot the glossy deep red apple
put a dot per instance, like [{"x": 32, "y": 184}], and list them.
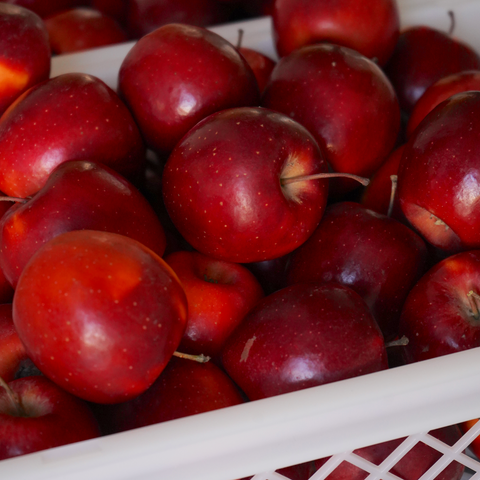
[
  {"x": 24, "y": 52},
  {"x": 422, "y": 56},
  {"x": 441, "y": 313},
  {"x": 48, "y": 417},
  {"x": 145, "y": 16},
  {"x": 219, "y": 295},
  {"x": 81, "y": 29},
  {"x": 439, "y": 91},
  {"x": 73, "y": 116},
  {"x": 261, "y": 64},
  {"x": 371, "y": 28},
  {"x": 78, "y": 195},
  {"x": 100, "y": 314},
  {"x": 332, "y": 106},
  {"x": 302, "y": 336},
  {"x": 225, "y": 185},
  {"x": 438, "y": 179},
  {"x": 179, "y": 74},
  {"x": 411, "y": 466},
  {"x": 184, "y": 388},
  {"x": 377, "y": 256}
]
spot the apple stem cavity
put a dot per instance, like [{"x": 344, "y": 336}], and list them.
[
  {"x": 15, "y": 401},
  {"x": 473, "y": 298},
  {"x": 393, "y": 192},
  {"x": 301, "y": 178},
  {"x": 196, "y": 358}
]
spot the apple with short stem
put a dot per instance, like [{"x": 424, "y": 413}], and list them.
[
  {"x": 245, "y": 185},
  {"x": 109, "y": 305}
]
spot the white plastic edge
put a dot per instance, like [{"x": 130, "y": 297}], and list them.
[{"x": 267, "y": 434}]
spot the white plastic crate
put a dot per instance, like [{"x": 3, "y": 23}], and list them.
[{"x": 259, "y": 437}]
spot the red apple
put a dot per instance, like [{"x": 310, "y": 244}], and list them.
[
  {"x": 439, "y": 91},
  {"x": 24, "y": 52},
  {"x": 78, "y": 195},
  {"x": 184, "y": 388},
  {"x": 475, "y": 445},
  {"x": 36, "y": 414},
  {"x": 302, "y": 336},
  {"x": 219, "y": 295},
  {"x": 145, "y": 16},
  {"x": 438, "y": 178},
  {"x": 422, "y": 56},
  {"x": 333, "y": 106},
  {"x": 371, "y": 28},
  {"x": 44, "y": 8},
  {"x": 116, "y": 9},
  {"x": 225, "y": 185},
  {"x": 411, "y": 466},
  {"x": 440, "y": 315},
  {"x": 179, "y": 74},
  {"x": 377, "y": 256},
  {"x": 80, "y": 29},
  {"x": 73, "y": 116},
  {"x": 100, "y": 314}
]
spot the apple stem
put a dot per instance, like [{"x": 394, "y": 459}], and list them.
[
  {"x": 452, "y": 22},
  {"x": 393, "y": 192},
  {"x": 399, "y": 342},
  {"x": 196, "y": 358},
  {"x": 15, "y": 400},
  {"x": 240, "y": 37},
  {"x": 301, "y": 178},
  {"x": 13, "y": 199},
  {"x": 472, "y": 298}
]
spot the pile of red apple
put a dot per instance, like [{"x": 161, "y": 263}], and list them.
[{"x": 196, "y": 239}]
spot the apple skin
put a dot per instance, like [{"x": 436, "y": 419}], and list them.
[
  {"x": 53, "y": 418},
  {"x": 437, "y": 317},
  {"x": 332, "y": 107},
  {"x": 422, "y": 56},
  {"x": 222, "y": 185},
  {"x": 73, "y": 116},
  {"x": 177, "y": 75},
  {"x": 116, "y": 9},
  {"x": 78, "y": 195},
  {"x": 145, "y": 16},
  {"x": 411, "y": 466},
  {"x": 439, "y": 91},
  {"x": 261, "y": 64},
  {"x": 219, "y": 295},
  {"x": 25, "y": 52},
  {"x": 377, "y": 256},
  {"x": 371, "y": 28},
  {"x": 184, "y": 388},
  {"x": 322, "y": 333},
  {"x": 120, "y": 312},
  {"x": 80, "y": 29},
  {"x": 44, "y": 8},
  {"x": 437, "y": 178}
]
